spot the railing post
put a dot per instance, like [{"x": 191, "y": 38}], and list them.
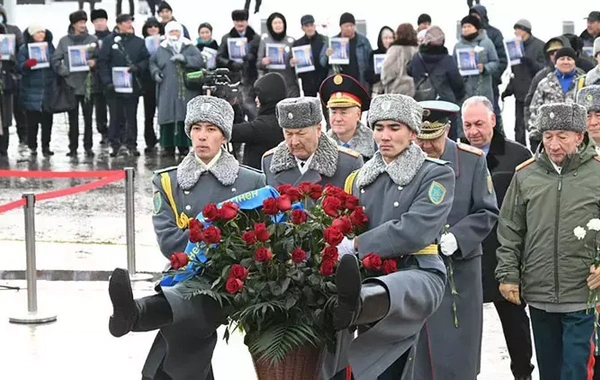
[
  {"x": 33, "y": 316},
  {"x": 130, "y": 226}
]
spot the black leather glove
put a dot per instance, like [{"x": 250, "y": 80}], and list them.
[{"x": 133, "y": 69}]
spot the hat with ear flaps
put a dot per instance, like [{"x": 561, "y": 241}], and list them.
[
  {"x": 209, "y": 109},
  {"x": 296, "y": 113},
  {"x": 396, "y": 107},
  {"x": 561, "y": 117}
]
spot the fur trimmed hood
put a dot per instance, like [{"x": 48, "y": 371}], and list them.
[
  {"x": 225, "y": 170},
  {"x": 324, "y": 161},
  {"x": 402, "y": 170}
]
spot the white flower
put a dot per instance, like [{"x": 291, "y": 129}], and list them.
[
  {"x": 579, "y": 232},
  {"x": 478, "y": 49},
  {"x": 118, "y": 39},
  {"x": 115, "y": 46},
  {"x": 93, "y": 45},
  {"x": 594, "y": 224}
]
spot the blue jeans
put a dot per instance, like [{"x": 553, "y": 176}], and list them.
[{"x": 563, "y": 344}]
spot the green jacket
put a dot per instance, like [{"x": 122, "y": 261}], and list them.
[{"x": 538, "y": 249}]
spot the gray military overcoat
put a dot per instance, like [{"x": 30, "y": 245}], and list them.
[
  {"x": 191, "y": 337},
  {"x": 448, "y": 351},
  {"x": 362, "y": 141},
  {"x": 407, "y": 202}
]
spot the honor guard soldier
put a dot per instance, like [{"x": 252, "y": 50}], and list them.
[
  {"x": 208, "y": 174},
  {"x": 346, "y": 100},
  {"x": 307, "y": 154},
  {"x": 450, "y": 343},
  {"x": 407, "y": 198}
]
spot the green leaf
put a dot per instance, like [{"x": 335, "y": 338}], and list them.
[
  {"x": 274, "y": 343},
  {"x": 285, "y": 284},
  {"x": 291, "y": 302},
  {"x": 225, "y": 271},
  {"x": 216, "y": 282},
  {"x": 330, "y": 286},
  {"x": 247, "y": 262},
  {"x": 314, "y": 280}
]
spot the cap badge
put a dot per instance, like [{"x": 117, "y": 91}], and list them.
[
  {"x": 290, "y": 116},
  {"x": 205, "y": 107},
  {"x": 426, "y": 113},
  {"x": 589, "y": 97},
  {"x": 386, "y": 105},
  {"x": 551, "y": 115},
  {"x": 338, "y": 79},
  {"x": 338, "y": 95}
]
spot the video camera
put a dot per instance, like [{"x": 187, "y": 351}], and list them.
[{"x": 212, "y": 82}]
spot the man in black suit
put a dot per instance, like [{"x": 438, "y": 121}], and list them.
[{"x": 502, "y": 157}]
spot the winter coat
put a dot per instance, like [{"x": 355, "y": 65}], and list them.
[
  {"x": 311, "y": 80},
  {"x": 60, "y": 60},
  {"x": 210, "y": 44},
  {"x": 550, "y": 91},
  {"x": 37, "y": 85},
  {"x": 9, "y": 66},
  {"x": 394, "y": 75},
  {"x": 533, "y": 61},
  {"x": 442, "y": 70},
  {"x": 593, "y": 76},
  {"x": 132, "y": 51},
  {"x": 246, "y": 72},
  {"x": 289, "y": 73},
  {"x": 262, "y": 133},
  {"x": 587, "y": 38},
  {"x": 375, "y": 79},
  {"x": 481, "y": 84},
  {"x": 502, "y": 159},
  {"x": 147, "y": 81},
  {"x": 186, "y": 34},
  {"x": 582, "y": 60},
  {"x": 495, "y": 35},
  {"x": 172, "y": 95},
  {"x": 98, "y": 88},
  {"x": 363, "y": 53},
  {"x": 538, "y": 249}
]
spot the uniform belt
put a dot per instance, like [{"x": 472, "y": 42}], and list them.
[{"x": 429, "y": 250}]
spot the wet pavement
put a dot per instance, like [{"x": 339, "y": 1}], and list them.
[{"x": 78, "y": 346}]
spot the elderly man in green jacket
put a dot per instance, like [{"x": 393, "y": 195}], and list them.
[{"x": 543, "y": 256}]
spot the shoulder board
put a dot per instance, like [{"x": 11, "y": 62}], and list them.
[
  {"x": 348, "y": 151},
  {"x": 525, "y": 164},
  {"x": 170, "y": 168},
  {"x": 435, "y": 160},
  {"x": 251, "y": 169},
  {"x": 581, "y": 82},
  {"x": 269, "y": 152},
  {"x": 470, "y": 149},
  {"x": 597, "y": 158}
]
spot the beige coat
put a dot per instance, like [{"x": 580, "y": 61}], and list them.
[{"x": 394, "y": 75}]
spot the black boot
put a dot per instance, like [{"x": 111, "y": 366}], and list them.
[
  {"x": 357, "y": 304},
  {"x": 145, "y": 314}
]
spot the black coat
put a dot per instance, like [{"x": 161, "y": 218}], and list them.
[
  {"x": 523, "y": 73},
  {"x": 132, "y": 52},
  {"x": 264, "y": 132},
  {"x": 495, "y": 35},
  {"x": 311, "y": 81},
  {"x": 247, "y": 71},
  {"x": 502, "y": 159},
  {"x": 212, "y": 44}
]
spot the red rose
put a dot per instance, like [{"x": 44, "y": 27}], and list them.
[
  {"x": 249, "y": 237},
  {"x": 270, "y": 206},
  {"x": 331, "y": 206},
  {"x": 343, "y": 224},
  {"x": 315, "y": 191},
  {"x": 229, "y": 210},
  {"x": 283, "y": 189},
  {"x": 333, "y": 236},
  {"x": 284, "y": 203},
  {"x": 334, "y": 191},
  {"x": 178, "y": 260},
  {"x": 293, "y": 193},
  {"x": 212, "y": 235},
  {"x": 262, "y": 254},
  {"x": 372, "y": 261},
  {"x": 327, "y": 267},
  {"x": 351, "y": 202},
  {"x": 238, "y": 271},
  {"x": 195, "y": 224},
  {"x": 262, "y": 234},
  {"x": 358, "y": 217},
  {"x": 196, "y": 235},
  {"x": 304, "y": 187},
  {"x": 210, "y": 212},
  {"x": 330, "y": 253},
  {"x": 234, "y": 285},
  {"x": 298, "y": 255},
  {"x": 299, "y": 216},
  {"x": 390, "y": 266}
]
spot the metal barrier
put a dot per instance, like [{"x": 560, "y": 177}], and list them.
[{"x": 33, "y": 315}]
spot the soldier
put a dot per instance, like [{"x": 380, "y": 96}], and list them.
[
  {"x": 474, "y": 214},
  {"x": 183, "y": 348},
  {"x": 346, "y": 100},
  {"x": 306, "y": 155},
  {"x": 589, "y": 97},
  {"x": 407, "y": 198}
]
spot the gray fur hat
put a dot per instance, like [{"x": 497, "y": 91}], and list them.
[
  {"x": 589, "y": 97},
  {"x": 400, "y": 108},
  {"x": 295, "y": 113},
  {"x": 596, "y": 48},
  {"x": 209, "y": 109},
  {"x": 561, "y": 117}
]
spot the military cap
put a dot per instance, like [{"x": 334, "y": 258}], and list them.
[
  {"x": 589, "y": 97},
  {"x": 296, "y": 113},
  {"x": 561, "y": 117},
  {"x": 396, "y": 107},
  {"x": 436, "y": 117},
  {"x": 209, "y": 109},
  {"x": 343, "y": 91}
]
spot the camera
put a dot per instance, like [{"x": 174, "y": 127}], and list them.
[{"x": 212, "y": 82}]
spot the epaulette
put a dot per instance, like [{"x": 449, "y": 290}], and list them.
[
  {"x": 348, "y": 151},
  {"x": 470, "y": 149},
  {"x": 525, "y": 164},
  {"x": 251, "y": 169},
  {"x": 165, "y": 170},
  {"x": 437, "y": 161},
  {"x": 269, "y": 152}
]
